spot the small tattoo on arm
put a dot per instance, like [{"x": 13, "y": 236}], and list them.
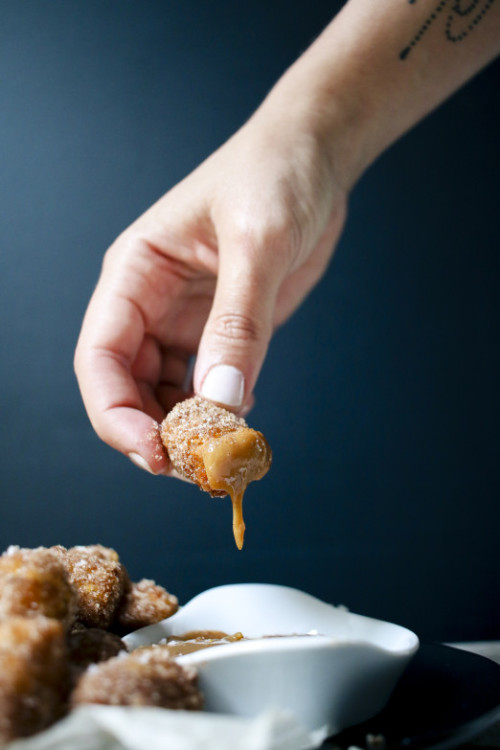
[{"x": 462, "y": 17}]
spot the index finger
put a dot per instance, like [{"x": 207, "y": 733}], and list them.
[{"x": 112, "y": 332}]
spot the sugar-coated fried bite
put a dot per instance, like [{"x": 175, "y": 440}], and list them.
[
  {"x": 217, "y": 450},
  {"x": 146, "y": 677},
  {"x": 34, "y": 677},
  {"x": 99, "y": 579},
  {"x": 88, "y": 646},
  {"x": 143, "y": 603},
  {"x": 186, "y": 430},
  {"x": 34, "y": 582},
  {"x": 61, "y": 615}
]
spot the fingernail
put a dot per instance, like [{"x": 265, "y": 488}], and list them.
[
  {"x": 245, "y": 409},
  {"x": 140, "y": 462},
  {"x": 224, "y": 384}
]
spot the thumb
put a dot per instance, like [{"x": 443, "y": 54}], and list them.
[{"x": 238, "y": 330}]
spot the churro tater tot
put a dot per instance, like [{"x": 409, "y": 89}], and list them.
[
  {"x": 217, "y": 450},
  {"x": 143, "y": 603},
  {"x": 34, "y": 582},
  {"x": 99, "y": 579},
  {"x": 88, "y": 646},
  {"x": 146, "y": 677},
  {"x": 34, "y": 675}
]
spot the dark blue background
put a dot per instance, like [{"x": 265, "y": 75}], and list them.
[{"x": 381, "y": 396}]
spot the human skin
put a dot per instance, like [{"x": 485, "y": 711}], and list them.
[{"x": 227, "y": 255}]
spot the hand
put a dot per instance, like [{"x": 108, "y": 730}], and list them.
[
  {"x": 230, "y": 252},
  {"x": 210, "y": 270}
]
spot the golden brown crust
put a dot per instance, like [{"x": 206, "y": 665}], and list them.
[
  {"x": 45, "y": 661},
  {"x": 99, "y": 579},
  {"x": 186, "y": 429},
  {"x": 146, "y": 677},
  {"x": 144, "y": 603},
  {"x": 34, "y": 676},
  {"x": 217, "y": 451},
  {"x": 34, "y": 582}
]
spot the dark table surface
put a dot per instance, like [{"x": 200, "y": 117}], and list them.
[{"x": 449, "y": 697}]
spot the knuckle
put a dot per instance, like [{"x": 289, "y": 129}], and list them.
[
  {"x": 277, "y": 238},
  {"x": 235, "y": 326}
]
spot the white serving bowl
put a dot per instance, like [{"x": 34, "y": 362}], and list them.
[{"x": 336, "y": 679}]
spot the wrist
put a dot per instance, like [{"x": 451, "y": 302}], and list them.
[
  {"x": 324, "y": 106},
  {"x": 358, "y": 94}
]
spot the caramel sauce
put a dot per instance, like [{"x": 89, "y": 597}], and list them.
[
  {"x": 232, "y": 461},
  {"x": 195, "y": 640}
]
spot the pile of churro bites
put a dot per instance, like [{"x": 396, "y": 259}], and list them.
[{"x": 62, "y": 615}]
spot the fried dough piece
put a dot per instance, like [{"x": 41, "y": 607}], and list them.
[
  {"x": 99, "y": 579},
  {"x": 88, "y": 646},
  {"x": 144, "y": 603},
  {"x": 146, "y": 677},
  {"x": 217, "y": 450},
  {"x": 34, "y": 582},
  {"x": 34, "y": 677}
]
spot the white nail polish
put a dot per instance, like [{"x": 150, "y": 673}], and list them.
[
  {"x": 225, "y": 385},
  {"x": 140, "y": 462}
]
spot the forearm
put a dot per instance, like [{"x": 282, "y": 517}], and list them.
[{"x": 380, "y": 67}]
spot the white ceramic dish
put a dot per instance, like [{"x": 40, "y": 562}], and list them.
[{"x": 336, "y": 679}]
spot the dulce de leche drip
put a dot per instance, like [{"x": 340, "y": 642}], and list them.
[
  {"x": 232, "y": 461},
  {"x": 216, "y": 450}
]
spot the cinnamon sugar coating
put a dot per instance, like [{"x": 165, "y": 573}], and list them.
[
  {"x": 143, "y": 603},
  {"x": 34, "y": 675},
  {"x": 34, "y": 582},
  {"x": 186, "y": 429},
  {"x": 99, "y": 579},
  {"x": 50, "y": 663},
  {"x": 146, "y": 677}
]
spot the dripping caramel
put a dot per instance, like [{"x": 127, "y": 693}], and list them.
[
  {"x": 231, "y": 462},
  {"x": 217, "y": 450}
]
